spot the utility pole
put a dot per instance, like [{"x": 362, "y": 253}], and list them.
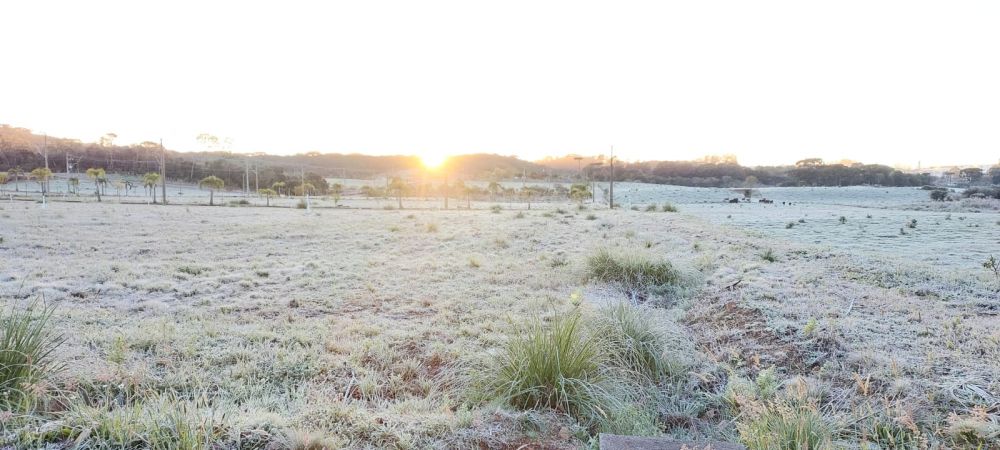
[
  {"x": 246, "y": 178},
  {"x": 45, "y": 149},
  {"x": 163, "y": 172},
  {"x": 302, "y": 172},
  {"x": 256, "y": 177},
  {"x": 611, "y": 187}
]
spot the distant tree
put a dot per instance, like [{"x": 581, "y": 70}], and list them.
[
  {"x": 208, "y": 141},
  {"x": 267, "y": 193},
  {"x": 3, "y": 179},
  {"x": 336, "y": 190},
  {"x": 213, "y": 183},
  {"x": 397, "y": 186},
  {"x": 108, "y": 140},
  {"x": 74, "y": 185},
  {"x": 578, "y": 192},
  {"x": 939, "y": 195},
  {"x": 494, "y": 187},
  {"x": 527, "y": 193},
  {"x": 150, "y": 180},
  {"x": 278, "y": 186},
  {"x": 119, "y": 187},
  {"x": 809, "y": 162},
  {"x": 16, "y": 173},
  {"x": 96, "y": 174},
  {"x": 42, "y": 175},
  {"x": 971, "y": 174},
  {"x": 304, "y": 189}
]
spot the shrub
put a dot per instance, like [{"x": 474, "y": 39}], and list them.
[
  {"x": 842, "y": 220},
  {"x": 301, "y": 204},
  {"x": 26, "y": 347},
  {"x": 496, "y": 209},
  {"x": 519, "y": 215},
  {"x": 556, "y": 365},
  {"x": 667, "y": 207},
  {"x": 939, "y": 195},
  {"x": 789, "y": 225},
  {"x": 591, "y": 217},
  {"x": 912, "y": 223},
  {"x": 635, "y": 272},
  {"x": 432, "y": 228},
  {"x": 651, "y": 208},
  {"x": 769, "y": 256}
]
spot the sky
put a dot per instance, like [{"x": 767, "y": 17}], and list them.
[{"x": 892, "y": 82}]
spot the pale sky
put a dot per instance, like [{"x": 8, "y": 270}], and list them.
[{"x": 892, "y": 82}]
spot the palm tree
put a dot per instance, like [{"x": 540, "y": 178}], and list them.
[
  {"x": 494, "y": 187},
  {"x": 579, "y": 192},
  {"x": 397, "y": 186},
  {"x": 336, "y": 190},
  {"x": 42, "y": 175},
  {"x": 16, "y": 173},
  {"x": 213, "y": 183},
  {"x": 267, "y": 193},
  {"x": 277, "y": 186},
  {"x": 96, "y": 174},
  {"x": 150, "y": 180},
  {"x": 527, "y": 194}
]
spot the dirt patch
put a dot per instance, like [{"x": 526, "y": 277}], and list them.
[{"x": 731, "y": 331}]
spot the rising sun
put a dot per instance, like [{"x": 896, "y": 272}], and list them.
[{"x": 433, "y": 160}]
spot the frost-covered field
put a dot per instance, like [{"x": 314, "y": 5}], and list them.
[
  {"x": 878, "y": 221},
  {"x": 361, "y": 328}
]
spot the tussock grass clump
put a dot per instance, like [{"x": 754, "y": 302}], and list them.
[
  {"x": 785, "y": 427},
  {"x": 634, "y": 342},
  {"x": 667, "y": 207},
  {"x": 26, "y": 346},
  {"x": 769, "y": 255},
  {"x": 634, "y": 272},
  {"x": 559, "y": 365}
]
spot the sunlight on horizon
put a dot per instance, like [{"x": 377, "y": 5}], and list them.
[{"x": 433, "y": 160}]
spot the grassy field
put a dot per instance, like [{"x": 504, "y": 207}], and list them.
[{"x": 241, "y": 327}]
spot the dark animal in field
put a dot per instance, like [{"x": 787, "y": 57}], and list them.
[{"x": 734, "y": 200}]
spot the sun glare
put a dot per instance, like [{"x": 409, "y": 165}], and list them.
[{"x": 433, "y": 161}]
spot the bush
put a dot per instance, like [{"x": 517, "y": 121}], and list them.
[
  {"x": 939, "y": 195},
  {"x": 667, "y": 207},
  {"x": 651, "y": 208},
  {"x": 769, "y": 256},
  {"x": 634, "y": 272},
  {"x": 26, "y": 347},
  {"x": 558, "y": 366}
]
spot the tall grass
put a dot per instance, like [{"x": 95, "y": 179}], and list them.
[
  {"x": 560, "y": 366},
  {"x": 634, "y": 272},
  {"x": 26, "y": 346},
  {"x": 634, "y": 342},
  {"x": 784, "y": 427}
]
